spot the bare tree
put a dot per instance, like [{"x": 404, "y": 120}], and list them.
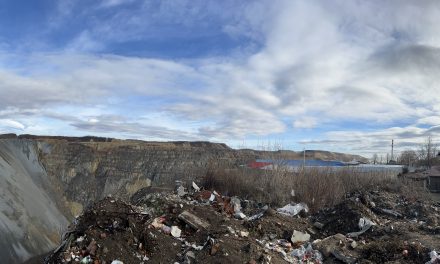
[
  {"x": 407, "y": 157},
  {"x": 427, "y": 152},
  {"x": 375, "y": 158}
]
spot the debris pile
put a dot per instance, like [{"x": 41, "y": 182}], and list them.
[{"x": 192, "y": 225}]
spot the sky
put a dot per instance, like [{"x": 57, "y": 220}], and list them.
[{"x": 338, "y": 75}]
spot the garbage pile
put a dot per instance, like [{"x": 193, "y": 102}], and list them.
[{"x": 192, "y": 225}]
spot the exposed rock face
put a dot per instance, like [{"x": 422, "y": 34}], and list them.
[
  {"x": 45, "y": 181},
  {"x": 88, "y": 171},
  {"x": 30, "y": 220}
]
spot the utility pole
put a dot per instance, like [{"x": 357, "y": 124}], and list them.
[{"x": 304, "y": 157}]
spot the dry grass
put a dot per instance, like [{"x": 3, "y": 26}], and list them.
[{"x": 318, "y": 187}]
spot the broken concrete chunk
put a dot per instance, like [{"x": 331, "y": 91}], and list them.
[
  {"x": 193, "y": 221},
  {"x": 299, "y": 237}
]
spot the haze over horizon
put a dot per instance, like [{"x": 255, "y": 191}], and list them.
[{"x": 344, "y": 76}]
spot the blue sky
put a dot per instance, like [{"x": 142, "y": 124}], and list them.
[{"x": 336, "y": 75}]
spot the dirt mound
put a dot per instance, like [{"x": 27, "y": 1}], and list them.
[
  {"x": 343, "y": 218},
  {"x": 206, "y": 227}
]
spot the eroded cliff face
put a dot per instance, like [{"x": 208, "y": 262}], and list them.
[
  {"x": 46, "y": 181},
  {"x": 30, "y": 219},
  {"x": 88, "y": 171}
]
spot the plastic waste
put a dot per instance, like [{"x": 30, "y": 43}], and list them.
[
  {"x": 117, "y": 262},
  {"x": 293, "y": 210},
  {"x": 364, "y": 225},
  {"x": 175, "y": 231},
  {"x": 181, "y": 191},
  {"x": 299, "y": 237},
  {"x": 195, "y": 187},
  {"x": 434, "y": 257},
  {"x": 86, "y": 260}
]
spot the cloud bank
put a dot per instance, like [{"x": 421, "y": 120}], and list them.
[{"x": 346, "y": 76}]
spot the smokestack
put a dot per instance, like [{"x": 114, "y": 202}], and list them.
[{"x": 392, "y": 149}]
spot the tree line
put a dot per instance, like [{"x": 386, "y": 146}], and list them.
[{"x": 426, "y": 155}]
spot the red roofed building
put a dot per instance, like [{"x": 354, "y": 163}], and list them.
[{"x": 258, "y": 165}]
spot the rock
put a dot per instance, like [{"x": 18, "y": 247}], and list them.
[
  {"x": 353, "y": 244},
  {"x": 193, "y": 221},
  {"x": 299, "y": 237},
  {"x": 244, "y": 233},
  {"x": 214, "y": 249},
  {"x": 270, "y": 212},
  {"x": 318, "y": 225},
  {"x": 329, "y": 244},
  {"x": 92, "y": 247},
  {"x": 344, "y": 258}
]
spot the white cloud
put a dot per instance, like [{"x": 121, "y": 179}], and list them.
[
  {"x": 12, "y": 124},
  {"x": 429, "y": 120},
  {"x": 343, "y": 61},
  {"x": 305, "y": 122}
]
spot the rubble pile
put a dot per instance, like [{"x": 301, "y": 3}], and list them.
[{"x": 192, "y": 225}]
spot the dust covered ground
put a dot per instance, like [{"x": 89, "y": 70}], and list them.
[{"x": 202, "y": 226}]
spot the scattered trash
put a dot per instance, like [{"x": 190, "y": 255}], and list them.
[
  {"x": 345, "y": 259},
  {"x": 117, "y": 262},
  {"x": 390, "y": 212},
  {"x": 353, "y": 245},
  {"x": 181, "y": 191},
  {"x": 293, "y": 210},
  {"x": 193, "y": 221},
  {"x": 258, "y": 215},
  {"x": 195, "y": 187},
  {"x": 364, "y": 225},
  {"x": 244, "y": 233},
  {"x": 175, "y": 231},
  {"x": 299, "y": 237},
  {"x": 434, "y": 257},
  {"x": 86, "y": 260},
  {"x": 240, "y": 215}
]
